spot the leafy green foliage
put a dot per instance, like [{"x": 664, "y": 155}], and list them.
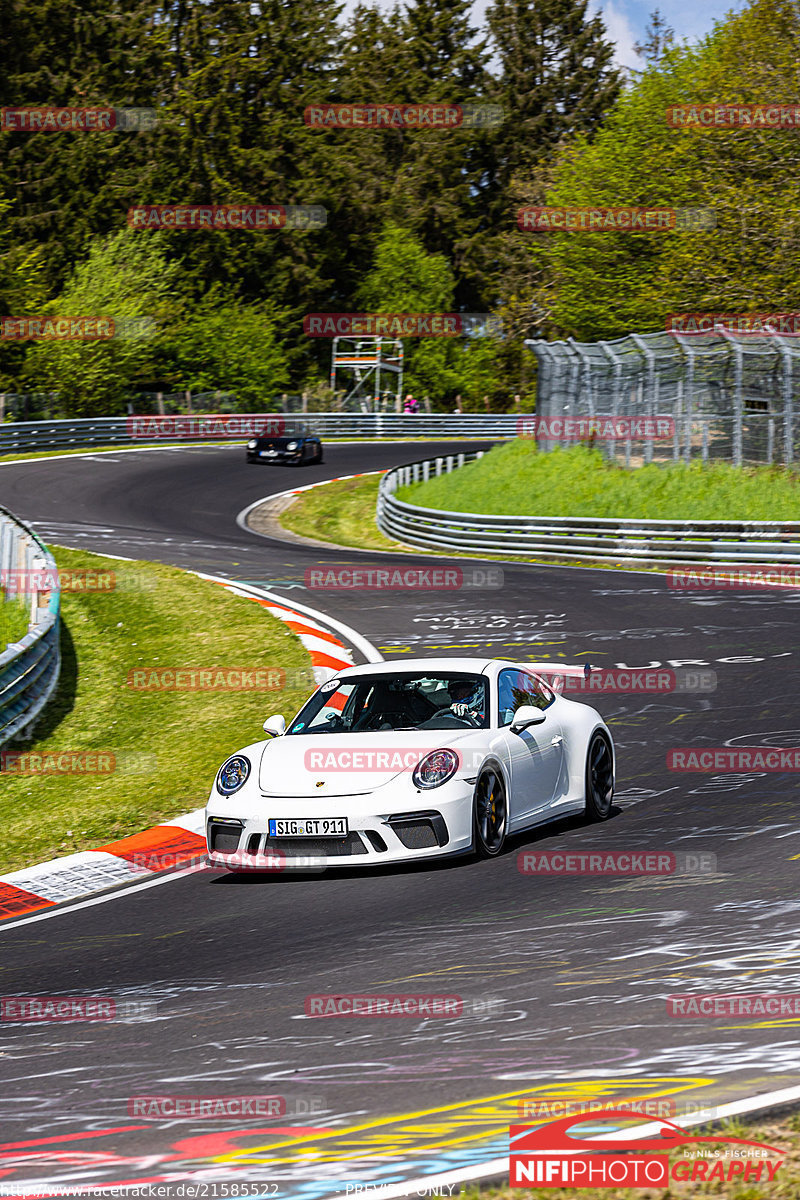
[
  {"x": 605, "y": 284},
  {"x": 126, "y": 277}
]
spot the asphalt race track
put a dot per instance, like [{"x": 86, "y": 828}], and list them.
[{"x": 564, "y": 978}]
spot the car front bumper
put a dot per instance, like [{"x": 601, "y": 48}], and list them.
[
  {"x": 429, "y": 826},
  {"x": 282, "y": 456}
]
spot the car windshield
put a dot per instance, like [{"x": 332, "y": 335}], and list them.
[{"x": 376, "y": 703}]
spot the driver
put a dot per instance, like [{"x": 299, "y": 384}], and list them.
[{"x": 467, "y": 698}]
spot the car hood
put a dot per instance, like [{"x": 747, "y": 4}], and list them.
[
  {"x": 352, "y": 764},
  {"x": 278, "y": 443}
]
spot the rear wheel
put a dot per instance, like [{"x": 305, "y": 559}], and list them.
[
  {"x": 490, "y": 814},
  {"x": 599, "y": 778}
]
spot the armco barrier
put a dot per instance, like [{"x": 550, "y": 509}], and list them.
[
  {"x": 575, "y": 537},
  {"x": 29, "y": 668},
  {"x": 18, "y": 436}
]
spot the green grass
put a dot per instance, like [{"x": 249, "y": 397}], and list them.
[
  {"x": 782, "y": 1133},
  {"x": 169, "y": 619},
  {"x": 14, "y": 619},
  {"x": 515, "y": 480},
  {"x": 342, "y": 512}
]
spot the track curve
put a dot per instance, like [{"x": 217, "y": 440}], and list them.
[{"x": 578, "y": 966}]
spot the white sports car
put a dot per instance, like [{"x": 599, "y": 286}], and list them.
[{"x": 400, "y": 761}]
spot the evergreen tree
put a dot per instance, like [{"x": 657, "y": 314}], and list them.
[
  {"x": 660, "y": 38},
  {"x": 556, "y": 79}
]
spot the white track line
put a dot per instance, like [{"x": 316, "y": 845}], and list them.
[{"x": 370, "y": 652}]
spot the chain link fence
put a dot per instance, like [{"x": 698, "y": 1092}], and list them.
[{"x": 730, "y": 398}]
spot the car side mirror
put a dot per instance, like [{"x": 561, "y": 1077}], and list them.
[
  {"x": 275, "y": 726},
  {"x": 527, "y": 715}
]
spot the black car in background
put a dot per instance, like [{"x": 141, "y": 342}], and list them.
[{"x": 294, "y": 443}]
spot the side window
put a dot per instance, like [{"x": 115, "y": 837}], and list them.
[{"x": 516, "y": 688}]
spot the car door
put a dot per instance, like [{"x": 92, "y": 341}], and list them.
[{"x": 536, "y": 754}]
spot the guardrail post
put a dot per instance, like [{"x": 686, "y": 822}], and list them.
[
  {"x": 788, "y": 400},
  {"x": 649, "y": 388}
]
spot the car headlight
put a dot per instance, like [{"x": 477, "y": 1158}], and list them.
[
  {"x": 291, "y": 445},
  {"x": 232, "y": 774},
  {"x": 252, "y": 445},
  {"x": 435, "y": 769}
]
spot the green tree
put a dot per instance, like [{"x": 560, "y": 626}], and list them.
[
  {"x": 128, "y": 278},
  {"x": 226, "y": 345},
  {"x": 605, "y": 284},
  {"x": 660, "y": 38},
  {"x": 405, "y": 278}
]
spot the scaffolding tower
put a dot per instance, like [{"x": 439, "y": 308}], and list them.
[{"x": 366, "y": 361}]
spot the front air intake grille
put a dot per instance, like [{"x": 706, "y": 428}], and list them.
[
  {"x": 316, "y": 847},
  {"x": 224, "y": 839},
  {"x": 420, "y": 831},
  {"x": 415, "y": 835}
]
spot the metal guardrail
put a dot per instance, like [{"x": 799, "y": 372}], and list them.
[
  {"x": 575, "y": 537},
  {"x": 29, "y": 668},
  {"x": 19, "y": 436}
]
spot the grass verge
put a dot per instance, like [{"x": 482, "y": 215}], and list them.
[
  {"x": 516, "y": 480},
  {"x": 167, "y": 745},
  {"x": 14, "y": 619},
  {"x": 783, "y": 1133},
  {"x": 342, "y": 512}
]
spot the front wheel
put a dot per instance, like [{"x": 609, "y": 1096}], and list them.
[
  {"x": 490, "y": 816},
  {"x": 599, "y": 778}
]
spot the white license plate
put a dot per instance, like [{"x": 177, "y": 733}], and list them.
[
  {"x": 309, "y": 827},
  {"x": 268, "y": 453}
]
